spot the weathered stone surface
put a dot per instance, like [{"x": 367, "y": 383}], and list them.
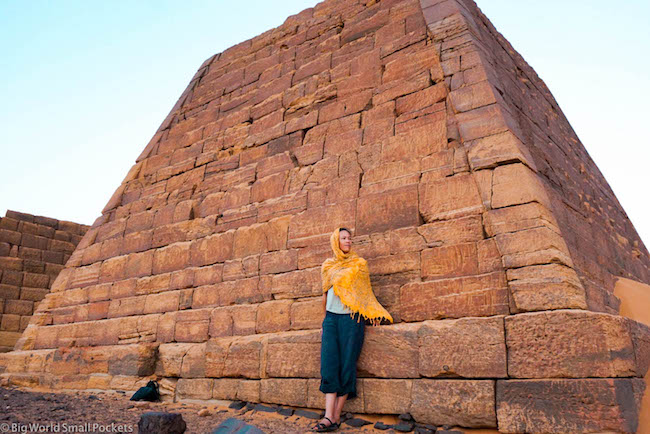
[
  {"x": 450, "y": 261},
  {"x": 390, "y": 351},
  {"x": 388, "y": 210},
  {"x": 448, "y": 198},
  {"x": 541, "y": 287},
  {"x": 568, "y": 343},
  {"x": 273, "y": 316},
  {"x": 387, "y": 396},
  {"x": 295, "y": 354},
  {"x": 285, "y": 391},
  {"x": 507, "y": 186},
  {"x": 467, "y": 347},
  {"x": 569, "y": 405},
  {"x": 468, "y": 403},
  {"x": 482, "y": 295}
]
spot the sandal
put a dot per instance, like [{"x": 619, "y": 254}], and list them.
[{"x": 321, "y": 427}]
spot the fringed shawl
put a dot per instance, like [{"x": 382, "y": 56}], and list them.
[{"x": 348, "y": 274}]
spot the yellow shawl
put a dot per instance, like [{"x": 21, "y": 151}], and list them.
[{"x": 348, "y": 274}]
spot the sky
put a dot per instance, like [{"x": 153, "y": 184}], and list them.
[{"x": 84, "y": 85}]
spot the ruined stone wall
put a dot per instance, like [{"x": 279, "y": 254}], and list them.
[
  {"x": 33, "y": 250},
  {"x": 204, "y": 268}
]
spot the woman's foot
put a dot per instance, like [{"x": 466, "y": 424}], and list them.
[{"x": 326, "y": 425}]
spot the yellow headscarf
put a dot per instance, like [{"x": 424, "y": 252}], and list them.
[{"x": 348, "y": 274}]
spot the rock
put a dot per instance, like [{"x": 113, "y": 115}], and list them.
[
  {"x": 404, "y": 426},
  {"x": 235, "y": 426},
  {"x": 161, "y": 423},
  {"x": 204, "y": 412},
  {"x": 357, "y": 422},
  {"x": 382, "y": 426},
  {"x": 237, "y": 405},
  {"x": 306, "y": 413},
  {"x": 285, "y": 411},
  {"x": 406, "y": 416},
  {"x": 264, "y": 408}
]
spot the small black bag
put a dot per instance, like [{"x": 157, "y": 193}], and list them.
[{"x": 147, "y": 393}]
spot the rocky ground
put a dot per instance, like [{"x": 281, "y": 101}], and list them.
[{"x": 111, "y": 410}]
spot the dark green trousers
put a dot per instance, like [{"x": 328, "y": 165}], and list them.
[{"x": 340, "y": 348}]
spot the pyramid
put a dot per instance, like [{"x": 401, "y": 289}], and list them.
[
  {"x": 491, "y": 236},
  {"x": 33, "y": 250}
]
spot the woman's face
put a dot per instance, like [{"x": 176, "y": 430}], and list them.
[{"x": 345, "y": 241}]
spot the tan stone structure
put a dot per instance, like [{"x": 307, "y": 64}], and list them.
[
  {"x": 33, "y": 251},
  {"x": 491, "y": 236}
]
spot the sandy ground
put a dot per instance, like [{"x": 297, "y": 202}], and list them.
[{"x": 19, "y": 408}]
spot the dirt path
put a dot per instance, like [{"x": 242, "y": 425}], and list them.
[{"x": 85, "y": 409}]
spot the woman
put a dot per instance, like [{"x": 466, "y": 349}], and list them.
[{"x": 348, "y": 301}]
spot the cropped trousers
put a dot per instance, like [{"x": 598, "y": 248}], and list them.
[{"x": 340, "y": 349}]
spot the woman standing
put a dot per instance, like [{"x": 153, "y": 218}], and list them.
[{"x": 348, "y": 301}]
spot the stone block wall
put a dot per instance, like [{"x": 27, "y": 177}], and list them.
[
  {"x": 390, "y": 118},
  {"x": 33, "y": 250}
]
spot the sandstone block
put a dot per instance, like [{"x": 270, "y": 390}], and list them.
[
  {"x": 447, "y": 198},
  {"x": 284, "y": 391},
  {"x": 216, "y": 351},
  {"x": 295, "y": 354},
  {"x": 306, "y": 314},
  {"x": 273, "y": 316},
  {"x": 208, "y": 275},
  {"x": 569, "y": 405},
  {"x": 400, "y": 263},
  {"x": 482, "y": 295},
  {"x": 317, "y": 223},
  {"x": 543, "y": 287},
  {"x": 162, "y": 302},
  {"x": 417, "y": 142},
  {"x": 279, "y": 262},
  {"x": 569, "y": 343},
  {"x": 244, "y": 358},
  {"x": 450, "y": 261},
  {"x": 390, "y": 351},
  {"x": 482, "y": 122},
  {"x": 195, "y": 388},
  {"x": 389, "y": 210},
  {"x": 467, "y": 347},
  {"x": 192, "y": 325},
  {"x": 171, "y": 258},
  {"x": 261, "y": 238},
  {"x": 535, "y": 246},
  {"x": 518, "y": 218},
  {"x": 193, "y": 365},
  {"x": 236, "y": 389},
  {"x": 212, "y": 249},
  {"x": 516, "y": 184},
  {"x": 139, "y": 264},
  {"x": 302, "y": 283},
  {"x": 487, "y": 152},
  {"x": 468, "y": 403},
  {"x": 387, "y": 396},
  {"x": 136, "y": 359}
]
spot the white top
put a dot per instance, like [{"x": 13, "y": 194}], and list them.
[{"x": 334, "y": 303}]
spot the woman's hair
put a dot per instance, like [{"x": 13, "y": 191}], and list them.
[{"x": 346, "y": 230}]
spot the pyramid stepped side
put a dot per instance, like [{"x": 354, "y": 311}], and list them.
[
  {"x": 406, "y": 122},
  {"x": 33, "y": 251}
]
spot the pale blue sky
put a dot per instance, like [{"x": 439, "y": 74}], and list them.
[{"x": 85, "y": 84}]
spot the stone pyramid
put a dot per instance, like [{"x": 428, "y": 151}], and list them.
[
  {"x": 491, "y": 236},
  {"x": 33, "y": 250}
]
